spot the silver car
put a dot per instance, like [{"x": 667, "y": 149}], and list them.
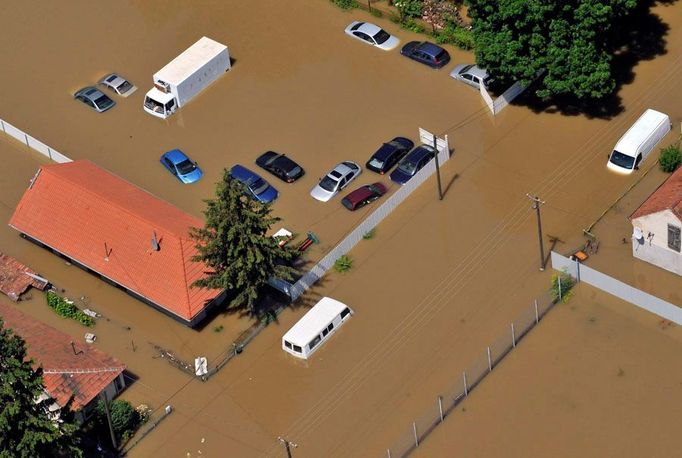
[
  {"x": 118, "y": 84},
  {"x": 372, "y": 34},
  {"x": 94, "y": 98},
  {"x": 471, "y": 75},
  {"x": 335, "y": 181}
]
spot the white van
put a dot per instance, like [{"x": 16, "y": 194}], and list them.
[
  {"x": 315, "y": 327},
  {"x": 638, "y": 141}
]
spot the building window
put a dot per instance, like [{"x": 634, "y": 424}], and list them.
[{"x": 674, "y": 237}]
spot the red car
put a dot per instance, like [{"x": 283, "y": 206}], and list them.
[{"x": 363, "y": 195}]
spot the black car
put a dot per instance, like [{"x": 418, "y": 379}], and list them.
[
  {"x": 427, "y": 53},
  {"x": 389, "y": 154},
  {"x": 280, "y": 166}
]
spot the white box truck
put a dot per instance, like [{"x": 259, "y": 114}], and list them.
[
  {"x": 185, "y": 76},
  {"x": 638, "y": 141}
]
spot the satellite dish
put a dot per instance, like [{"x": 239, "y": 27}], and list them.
[{"x": 638, "y": 234}]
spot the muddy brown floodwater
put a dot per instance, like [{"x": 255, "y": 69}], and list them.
[{"x": 439, "y": 281}]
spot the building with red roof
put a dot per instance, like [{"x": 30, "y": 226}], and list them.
[
  {"x": 120, "y": 232},
  {"x": 70, "y": 369},
  {"x": 657, "y": 226}
]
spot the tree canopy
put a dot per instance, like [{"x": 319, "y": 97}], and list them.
[
  {"x": 235, "y": 246},
  {"x": 26, "y": 430},
  {"x": 571, "y": 41}
]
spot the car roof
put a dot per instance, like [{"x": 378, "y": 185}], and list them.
[
  {"x": 478, "y": 71},
  {"x": 385, "y": 151},
  {"x": 419, "y": 152},
  {"x": 176, "y": 155},
  {"x": 242, "y": 173},
  {"x": 430, "y": 48},
  {"x": 90, "y": 92},
  {"x": 359, "y": 194},
  {"x": 341, "y": 169},
  {"x": 369, "y": 28}
]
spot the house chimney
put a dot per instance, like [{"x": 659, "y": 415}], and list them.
[{"x": 155, "y": 243}]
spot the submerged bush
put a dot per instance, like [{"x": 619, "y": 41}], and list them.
[
  {"x": 562, "y": 285},
  {"x": 455, "y": 35},
  {"x": 345, "y": 4},
  {"x": 670, "y": 158},
  {"x": 67, "y": 309},
  {"x": 343, "y": 264}
]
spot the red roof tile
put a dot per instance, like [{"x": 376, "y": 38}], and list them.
[
  {"x": 14, "y": 279},
  {"x": 668, "y": 196},
  {"x": 107, "y": 224},
  {"x": 83, "y": 373}
]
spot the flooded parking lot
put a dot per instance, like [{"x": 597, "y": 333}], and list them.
[{"x": 439, "y": 280}]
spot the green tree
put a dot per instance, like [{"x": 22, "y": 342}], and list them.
[
  {"x": 26, "y": 429},
  {"x": 571, "y": 41},
  {"x": 235, "y": 246},
  {"x": 124, "y": 418}
]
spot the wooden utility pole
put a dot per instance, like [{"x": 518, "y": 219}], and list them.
[
  {"x": 536, "y": 205},
  {"x": 288, "y": 445},
  {"x": 440, "y": 189}
]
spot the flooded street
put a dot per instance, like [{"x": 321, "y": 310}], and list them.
[{"x": 438, "y": 282}]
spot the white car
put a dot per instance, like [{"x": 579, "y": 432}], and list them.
[
  {"x": 335, "y": 181},
  {"x": 118, "y": 84},
  {"x": 372, "y": 34}
]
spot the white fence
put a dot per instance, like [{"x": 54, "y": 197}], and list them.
[
  {"x": 505, "y": 99},
  {"x": 369, "y": 223},
  {"x": 32, "y": 142},
  {"x": 617, "y": 288}
]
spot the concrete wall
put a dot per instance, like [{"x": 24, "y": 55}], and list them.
[{"x": 655, "y": 249}]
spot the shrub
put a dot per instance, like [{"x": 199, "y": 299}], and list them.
[
  {"x": 455, "y": 35},
  {"x": 376, "y": 13},
  {"x": 412, "y": 26},
  {"x": 562, "y": 284},
  {"x": 670, "y": 158},
  {"x": 343, "y": 264},
  {"x": 409, "y": 8},
  {"x": 369, "y": 234},
  {"x": 67, "y": 309},
  {"x": 345, "y": 4},
  {"x": 124, "y": 419}
]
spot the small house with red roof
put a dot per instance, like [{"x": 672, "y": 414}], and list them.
[
  {"x": 70, "y": 369},
  {"x": 120, "y": 232},
  {"x": 657, "y": 226}
]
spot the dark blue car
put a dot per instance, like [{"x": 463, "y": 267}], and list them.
[
  {"x": 256, "y": 187},
  {"x": 181, "y": 166},
  {"x": 389, "y": 154},
  {"x": 427, "y": 53},
  {"x": 412, "y": 163}
]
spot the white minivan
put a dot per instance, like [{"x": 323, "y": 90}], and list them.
[{"x": 638, "y": 141}]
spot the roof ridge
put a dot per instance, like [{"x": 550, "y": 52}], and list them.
[
  {"x": 184, "y": 275},
  {"x": 120, "y": 207}
]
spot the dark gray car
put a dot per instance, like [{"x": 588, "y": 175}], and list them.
[{"x": 94, "y": 98}]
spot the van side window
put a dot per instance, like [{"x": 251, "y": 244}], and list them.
[
  {"x": 314, "y": 342},
  {"x": 674, "y": 237},
  {"x": 345, "y": 312}
]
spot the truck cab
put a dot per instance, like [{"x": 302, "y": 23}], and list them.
[{"x": 159, "y": 103}]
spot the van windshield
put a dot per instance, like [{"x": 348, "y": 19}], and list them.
[{"x": 622, "y": 160}]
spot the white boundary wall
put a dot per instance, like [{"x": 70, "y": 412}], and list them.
[
  {"x": 617, "y": 288},
  {"x": 373, "y": 219},
  {"x": 32, "y": 142}
]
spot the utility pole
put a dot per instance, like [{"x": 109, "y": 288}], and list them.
[
  {"x": 536, "y": 205},
  {"x": 440, "y": 189},
  {"x": 111, "y": 426},
  {"x": 287, "y": 444}
]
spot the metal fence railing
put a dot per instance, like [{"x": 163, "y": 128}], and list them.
[
  {"x": 445, "y": 402},
  {"x": 32, "y": 142}
]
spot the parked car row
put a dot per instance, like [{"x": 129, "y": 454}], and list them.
[
  {"x": 99, "y": 101},
  {"x": 423, "y": 52},
  {"x": 400, "y": 151}
]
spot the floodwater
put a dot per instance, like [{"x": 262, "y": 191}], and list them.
[{"x": 439, "y": 281}]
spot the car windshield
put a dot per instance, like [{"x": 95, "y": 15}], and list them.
[
  {"x": 328, "y": 184},
  {"x": 381, "y": 36},
  {"x": 376, "y": 163},
  {"x": 622, "y": 160},
  {"x": 408, "y": 167},
  {"x": 374, "y": 189},
  {"x": 103, "y": 101},
  {"x": 258, "y": 186},
  {"x": 124, "y": 87},
  {"x": 294, "y": 172},
  {"x": 186, "y": 167}
]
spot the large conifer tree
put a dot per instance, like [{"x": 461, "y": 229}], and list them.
[
  {"x": 26, "y": 430},
  {"x": 234, "y": 244}
]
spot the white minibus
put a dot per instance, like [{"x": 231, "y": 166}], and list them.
[
  {"x": 315, "y": 327},
  {"x": 638, "y": 141}
]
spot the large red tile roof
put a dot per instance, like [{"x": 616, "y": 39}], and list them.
[
  {"x": 668, "y": 196},
  {"x": 81, "y": 371},
  {"x": 107, "y": 224}
]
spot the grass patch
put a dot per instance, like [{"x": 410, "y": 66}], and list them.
[
  {"x": 345, "y": 4},
  {"x": 218, "y": 328}
]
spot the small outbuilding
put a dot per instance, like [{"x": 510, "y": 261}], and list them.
[{"x": 657, "y": 226}]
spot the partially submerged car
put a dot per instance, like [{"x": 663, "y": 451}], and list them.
[
  {"x": 335, "y": 181},
  {"x": 94, "y": 98},
  {"x": 256, "y": 187},
  {"x": 389, "y": 154},
  {"x": 118, "y": 84},
  {"x": 412, "y": 163},
  {"x": 181, "y": 166},
  {"x": 363, "y": 195},
  {"x": 427, "y": 53},
  {"x": 280, "y": 166},
  {"x": 473, "y": 75},
  {"x": 372, "y": 34}
]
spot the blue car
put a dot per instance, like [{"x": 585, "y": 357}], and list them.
[
  {"x": 412, "y": 163},
  {"x": 181, "y": 166},
  {"x": 256, "y": 187}
]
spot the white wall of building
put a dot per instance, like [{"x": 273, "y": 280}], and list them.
[{"x": 655, "y": 247}]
